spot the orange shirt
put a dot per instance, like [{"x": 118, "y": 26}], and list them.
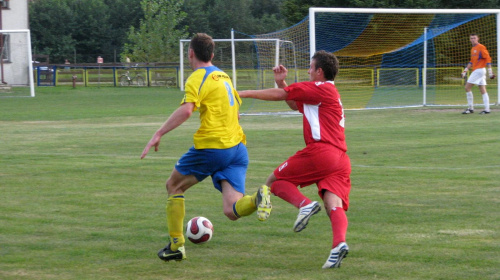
[{"x": 479, "y": 57}]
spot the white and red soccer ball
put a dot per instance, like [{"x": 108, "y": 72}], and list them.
[{"x": 199, "y": 230}]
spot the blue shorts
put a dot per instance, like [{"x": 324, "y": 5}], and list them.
[{"x": 222, "y": 164}]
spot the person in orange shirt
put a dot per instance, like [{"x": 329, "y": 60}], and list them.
[{"x": 479, "y": 59}]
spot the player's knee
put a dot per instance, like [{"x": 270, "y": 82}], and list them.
[
  {"x": 172, "y": 188},
  {"x": 270, "y": 180},
  {"x": 331, "y": 201}
]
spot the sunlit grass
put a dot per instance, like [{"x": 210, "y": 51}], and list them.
[{"x": 76, "y": 202}]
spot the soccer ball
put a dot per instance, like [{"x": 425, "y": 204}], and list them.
[{"x": 199, "y": 230}]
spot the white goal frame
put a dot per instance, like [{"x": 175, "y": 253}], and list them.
[
  {"x": 312, "y": 29},
  {"x": 233, "y": 55},
  {"x": 28, "y": 56}
]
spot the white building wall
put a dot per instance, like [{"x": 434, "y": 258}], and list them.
[{"x": 16, "y": 18}]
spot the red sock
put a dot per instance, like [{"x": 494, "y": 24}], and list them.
[
  {"x": 289, "y": 193},
  {"x": 338, "y": 219}
]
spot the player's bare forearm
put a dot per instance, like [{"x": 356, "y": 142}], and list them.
[
  {"x": 178, "y": 117},
  {"x": 280, "y": 73},
  {"x": 281, "y": 84},
  {"x": 271, "y": 94}
]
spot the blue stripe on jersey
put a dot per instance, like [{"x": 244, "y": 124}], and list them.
[{"x": 208, "y": 71}]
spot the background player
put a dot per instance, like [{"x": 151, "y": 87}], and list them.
[
  {"x": 324, "y": 160},
  {"x": 479, "y": 59},
  {"x": 219, "y": 147}
]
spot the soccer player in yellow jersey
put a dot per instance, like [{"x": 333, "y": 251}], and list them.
[
  {"x": 479, "y": 59},
  {"x": 219, "y": 147}
]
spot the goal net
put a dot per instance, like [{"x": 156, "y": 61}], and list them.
[
  {"x": 396, "y": 57},
  {"x": 16, "y": 69},
  {"x": 249, "y": 63}
]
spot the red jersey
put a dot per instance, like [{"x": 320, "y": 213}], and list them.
[
  {"x": 479, "y": 56},
  {"x": 323, "y": 114}
]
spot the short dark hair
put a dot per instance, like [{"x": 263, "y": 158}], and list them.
[
  {"x": 203, "y": 46},
  {"x": 328, "y": 62},
  {"x": 474, "y": 34}
]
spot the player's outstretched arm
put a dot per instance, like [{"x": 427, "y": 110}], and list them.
[
  {"x": 271, "y": 94},
  {"x": 178, "y": 117}
]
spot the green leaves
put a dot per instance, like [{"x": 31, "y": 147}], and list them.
[{"x": 158, "y": 35}]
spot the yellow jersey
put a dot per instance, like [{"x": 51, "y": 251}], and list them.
[{"x": 212, "y": 92}]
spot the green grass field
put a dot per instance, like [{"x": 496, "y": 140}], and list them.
[{"x": 76, "y": 202}]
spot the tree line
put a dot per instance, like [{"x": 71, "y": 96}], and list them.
[{"x": 150, "y": 30}]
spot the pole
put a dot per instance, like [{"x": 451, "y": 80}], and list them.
[
  {"x": 312, "y": 32},
  {"x": 181, "y": 65},
  {"x": 276, "y": 57},
  {"x": 424, "y": 70},
  {"x": 233, "y": 58},
  {"x": 498, "y": 59},
  {"x": 1, "y": 44},
  {"x": 30, "y": 65}
]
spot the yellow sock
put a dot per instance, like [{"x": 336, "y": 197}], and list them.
[
  {"x": 175, "y": 220},
  {"x": 245, "y": 205}
]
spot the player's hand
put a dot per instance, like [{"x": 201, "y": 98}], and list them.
[
  {"x": 280, "y": 73},
  {"x": 464, "y": 73},
  {"x": 154, "y": 142},
  {"x": 490, "y": 73}
]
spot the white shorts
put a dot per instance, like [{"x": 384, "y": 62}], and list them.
[{"x": 478, "y": 77}]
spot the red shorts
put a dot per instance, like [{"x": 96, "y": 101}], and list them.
[{"x": 319, "y": 163}]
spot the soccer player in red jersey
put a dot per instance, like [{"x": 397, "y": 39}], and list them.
[
  {"x": 324, "y": 160},
  {"x": 479, "y": 59}
]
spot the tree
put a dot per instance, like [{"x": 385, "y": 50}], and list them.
[
  {"x": 295, "y": 10},
  {"x": 52, "y": 37},
  {"x": 217, "y": 17},
  {"x": 157, "y": 38},
  {"x": 87, "y": 28},
  {"x": 93, "y": 33},
  {"x": 122, "y": 15}
]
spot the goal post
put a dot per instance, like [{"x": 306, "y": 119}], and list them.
[
  {"x": 248, "y": 61},
  {"x": 16, "y": 65},
  {"x": 416, "y": 55}
]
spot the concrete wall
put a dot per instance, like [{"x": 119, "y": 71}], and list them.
[{"x": 16, "y": 69}]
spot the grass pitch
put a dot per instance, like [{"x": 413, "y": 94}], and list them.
[{"x": 76, "y": 202}]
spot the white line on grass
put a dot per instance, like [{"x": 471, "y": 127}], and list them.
[{"x": 426, "y": 167}]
